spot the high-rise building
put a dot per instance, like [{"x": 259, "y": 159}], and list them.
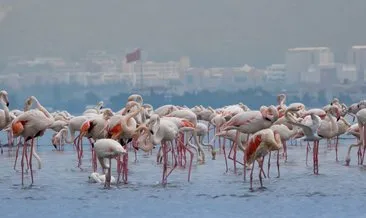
[
  {"x": 298, "y": 61},
  {"x": 357, "y": 57}
]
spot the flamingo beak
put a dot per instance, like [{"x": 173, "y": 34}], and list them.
[
  {"x": 7, "y": 104},
  {"x": 54, "y": 145}
]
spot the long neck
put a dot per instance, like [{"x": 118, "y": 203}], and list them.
[
  {"x": 332, "y": 122},
  {"x": 72, "y": 136},
  {"x": 145, "y": 142},
  {"x": 6, "y": 110},
  {"x": 124, "y": 122},
  {"x": 41, "y": 108}
]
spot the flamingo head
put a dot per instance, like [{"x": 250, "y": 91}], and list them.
[
  {"x": 281, "y": 98},
  {"x": 335, "y": 110},
  {"x": 269, "y": 113},
  {"x": 4, "y": 96},
  {"x": 55, "y": 140}
]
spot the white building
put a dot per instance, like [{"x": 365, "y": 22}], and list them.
[
  {"x": 347, "y": 72},
  {"x": 155, "y": 73},
  {"x": 357, "y": 57},
  {"x": 275, "y": 73},
  {"x": 298, "y": 61}
]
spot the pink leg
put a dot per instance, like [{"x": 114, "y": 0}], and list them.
[
  {"x": 251, "y": 176},
  {"x": 26, "y": 157},
  {"x": 22, "y": 161},
  {"x": 1, "y": 147},
  {"x": 190, "y": 163},
  {"x": 336, "y": 148},
  {"x": 269, "y": 162},
  {"x": 174, "y": 161},
  {"x": 224, "y": 150},
  {"x": 284, "y": 149},
  {"x": 16, "y": 154},
  {"x": 165, "y": 163},
  {"x": 234, "y": 147},
  {"x": 260, "y": 163},
  {"x": 125, "y": 170},
  {"x": 30, "y": 160},
  {"x": 307, "y": 153},
  {"x": 278, "y": 164},
  {"x": 363, "y": 143},
  {"x": 315, "y": 158}
]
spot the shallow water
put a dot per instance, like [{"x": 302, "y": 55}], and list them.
[{"x": 62, "y": 190}]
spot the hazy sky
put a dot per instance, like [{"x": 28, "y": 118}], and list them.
[{"x": 211, "y": 32}]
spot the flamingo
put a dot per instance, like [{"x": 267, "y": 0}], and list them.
[
  {"x": 100, "y": 178},
  {"x": 259, "y": 145},
  {"x": 361, "y": 120},
  {"x": 108, "y": 148},
  {"x": 31, "y": 124},
  {"x": 355, "y": 131},
  {"x": 161, "y": 132},
  {"x": 4, "y": 114},
  {"x": 250, "y": 122},
  {"x": 59, "y": 138},
  {"x": 285, "y": 133},
  {"x": 95, "y": 128}
]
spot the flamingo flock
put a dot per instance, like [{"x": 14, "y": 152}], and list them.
[{"x": 179, "y": 133}]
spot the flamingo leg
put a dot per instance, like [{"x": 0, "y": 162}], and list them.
[
  {"x": 26, "y": 157},
  {"x": 22, "y": 160},
  {"x": 278, "y": 164},
  {"x": 260, "y": 163},
  {"x": 336, "y": 148},
  {"x": 224, "y": 150},
  {"x": 108, "y": 176},
  {"x": 315, "y": 157},
  {"x": 125, "y": 168},
  {"x": 251, "y": 176},
  {"x": 269, "y": 163},
  {"x": 165, "y": 164},
  {"x": 119, "y": 162},
  {"x": 190, "y": 163},
  {"x": 16, "y": 154},
  {"x": 174, "y": 160},
  {"x": 30, "y": 160},
  {"x": 284, "y": 149},
  {"x": 307, "y": 153},
  {"x": 1, "y": 148},
  {"x": 364, "y": 145}
]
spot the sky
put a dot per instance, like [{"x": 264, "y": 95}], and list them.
[{"x": 212, "y": 33}]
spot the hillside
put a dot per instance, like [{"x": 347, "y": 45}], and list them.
[{"x": 211, "y": 32}]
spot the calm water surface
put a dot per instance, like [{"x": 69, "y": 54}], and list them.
[{"x": 62, "y": 190}]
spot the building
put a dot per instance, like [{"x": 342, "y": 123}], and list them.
[
  {"x": 298, "y": 61},
  {"x": 155, "y": 73},
  {"x": 275, "y": 73},
  {"x": 347, "y": 73},
  {"x": 357, "y": 57}
]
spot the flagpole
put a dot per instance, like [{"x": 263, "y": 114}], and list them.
[{"x": 141, "y": 72}]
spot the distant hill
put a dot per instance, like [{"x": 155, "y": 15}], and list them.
[{"x": 211, "y": 32}]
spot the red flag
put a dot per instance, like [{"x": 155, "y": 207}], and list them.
[{"x": 133, "y": 56}]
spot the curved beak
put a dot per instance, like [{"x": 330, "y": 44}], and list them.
[{"x": 7, "y": 104}]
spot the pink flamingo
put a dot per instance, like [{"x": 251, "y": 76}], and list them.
[
  {"x": 31, "y": 124},
  {"x": 108, "y": 148},
  {"x": 259, "y": 145}
]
